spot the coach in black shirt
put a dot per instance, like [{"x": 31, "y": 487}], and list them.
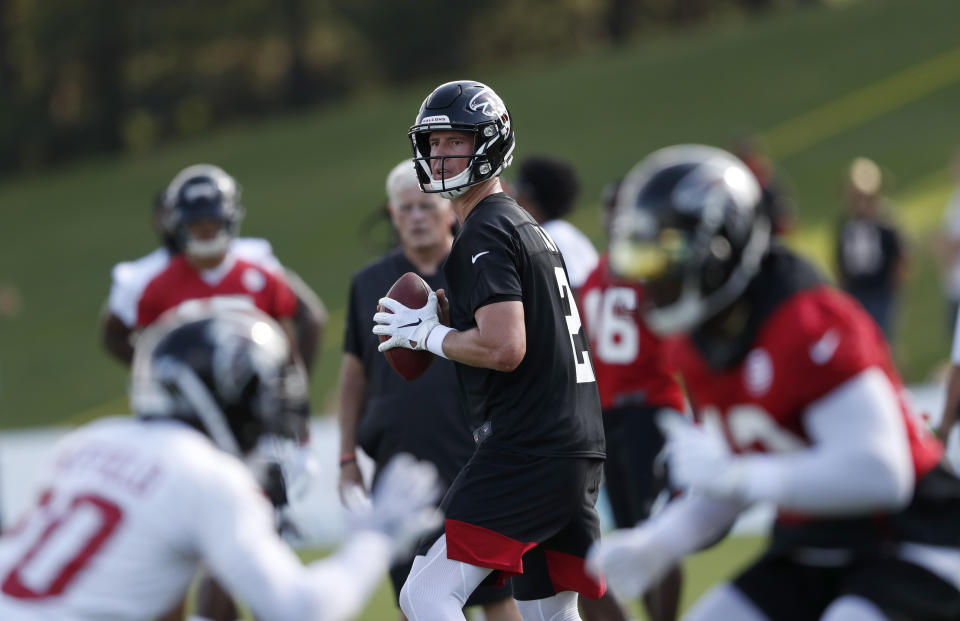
[
  {"x": 871, "y": 256},
  {"x": 523, "y": 505},
  {"x": 379, "y": 410}
]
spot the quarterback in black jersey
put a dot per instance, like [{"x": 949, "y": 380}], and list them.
[
  {"x": 523, "y": 506},
  {"x": 379, "y": 410}
]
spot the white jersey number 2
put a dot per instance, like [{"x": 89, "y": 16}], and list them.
[
  {"x": 584, "y": 367},
  {"x": 64, "y": 544}
]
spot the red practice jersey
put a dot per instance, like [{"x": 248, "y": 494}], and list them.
[
  {"x": 809, "y": 344},
  {"x": 628, "y": 359},
  {"x": 179, "y": 282}
]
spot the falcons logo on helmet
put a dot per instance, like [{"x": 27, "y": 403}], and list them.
[{"x": 488, "y": 103}]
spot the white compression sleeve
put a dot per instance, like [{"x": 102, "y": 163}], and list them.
[
  {"x": 344, "y": 581},
  {"x": 559, "y": 607},
  {"x": 233, "y": 529},
  {"x": 437, "y": 586},
  {"x": 692, "y": 522},
  {"x": 859, "y": 460}
]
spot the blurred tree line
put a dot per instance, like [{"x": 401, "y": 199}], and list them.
[{"x": 85, "y": 76}]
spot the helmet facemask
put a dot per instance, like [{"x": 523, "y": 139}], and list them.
[
  {"x": 696, "y": 242},
  {"x": 203, "y": 193}
]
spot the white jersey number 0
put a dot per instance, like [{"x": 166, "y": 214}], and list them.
[{"x": 65, "y": 543}]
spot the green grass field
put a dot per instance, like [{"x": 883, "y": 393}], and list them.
[
  {"x": 701, "y": 572},
  {"x": 878, "y": 78}
]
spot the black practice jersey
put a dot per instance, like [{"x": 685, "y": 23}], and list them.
[
  {"x": 422, "y": 417},
  {"x": 549, "y": 404}
]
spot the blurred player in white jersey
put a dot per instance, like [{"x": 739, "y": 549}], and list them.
[
  {"x": 131, "y": 278},
  {"x": 131, "y": 506},
  {"x": 198, "y": 216}
]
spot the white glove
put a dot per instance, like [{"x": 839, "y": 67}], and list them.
[
  {"x": 355, "y": 499},
  {"x": 283, "y": 467},
  {"x": 699, "y": 458},
  {"x": 404, "y": 503},
  {"x": 630, "y": 560},
  {"x": 406, "y": 327}
]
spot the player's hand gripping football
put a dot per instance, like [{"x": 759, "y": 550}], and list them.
[
  {"x": 629, "y": 560},
  {"x": 700, "y": 459},
  {"x": 404, "y": 503},
  {"x": 406, "y": 327}
]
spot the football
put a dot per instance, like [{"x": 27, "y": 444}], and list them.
[{"x": 411, "y": 291}]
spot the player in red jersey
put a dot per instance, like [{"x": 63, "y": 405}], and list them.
[
  {"x": 129, "y": 278},
  {"x": 799, "y": 405},
  {"x": 205, "y": 207},
  {"x": 634, "y": 383},
  {"x": 203, "y": 210}
]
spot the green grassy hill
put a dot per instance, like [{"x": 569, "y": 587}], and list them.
[{"x": 878, "y": 78}]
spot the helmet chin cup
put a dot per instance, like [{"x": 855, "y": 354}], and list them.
[
  {"x": 202, "y": 192},
  {"x": 682, "y": 316},
  {"x": 453, "y": 187},
  {"x": 451, "y": 194},
  {"x": 208, "y": 248}
]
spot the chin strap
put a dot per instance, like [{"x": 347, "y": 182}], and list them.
[{"x": 207, "y": 248}]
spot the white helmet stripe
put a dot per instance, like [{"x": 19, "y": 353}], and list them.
[{"x": 201, "y": 401}]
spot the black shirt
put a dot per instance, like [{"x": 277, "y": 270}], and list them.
[
  {"x": 549, "y": 404},
  {"x": 868, "y": 251},
  {"x": 422, "y": 417}
]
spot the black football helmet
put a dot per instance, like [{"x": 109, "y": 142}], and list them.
[
  {"x": 224, "y": 368},
  {"x": 466, "y": 106},
  {"x": 686, "y": 224},
  {"x": 202, "y": 192}
]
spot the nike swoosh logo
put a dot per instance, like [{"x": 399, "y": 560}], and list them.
[
  {"x": 822, "y": 351},
  {"x": 415, "y": 323},
  {"x": 474, "y": 258}
]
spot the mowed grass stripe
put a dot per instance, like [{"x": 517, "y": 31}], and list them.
[{"x": 865, "y": 104}]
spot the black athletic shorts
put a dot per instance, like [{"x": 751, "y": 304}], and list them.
[
  {"x": 789, "y": 591},
  {"x": 527, "y": 517},
  {"x": 633, "y": 443}
]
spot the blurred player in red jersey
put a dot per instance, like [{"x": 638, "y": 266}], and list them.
[
  {"x": 799, "y": 405},
  {"x": 205, "y": 208},
  {"x": 130, "y": 278},
  {"x": 634, "y": 383}
]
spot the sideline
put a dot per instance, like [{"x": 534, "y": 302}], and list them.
[{"x": 318, "y": 512}]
